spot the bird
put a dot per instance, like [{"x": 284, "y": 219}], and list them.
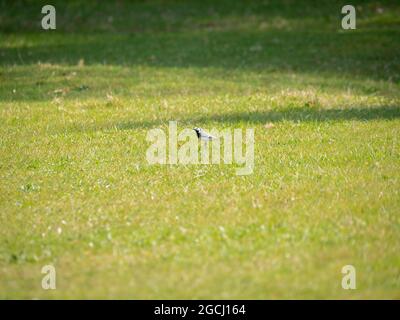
[{"x": 202, "y": 135}]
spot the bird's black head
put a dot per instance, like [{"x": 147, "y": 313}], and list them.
[{"x": 197, "y": 130}]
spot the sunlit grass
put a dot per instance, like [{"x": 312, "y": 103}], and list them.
[{"x": 76, "y": 190}]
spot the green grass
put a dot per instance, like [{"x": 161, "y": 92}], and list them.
[{"x": 76, "y": 190}]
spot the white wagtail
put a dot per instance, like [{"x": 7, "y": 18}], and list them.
[{"x": 201, "y": 134}]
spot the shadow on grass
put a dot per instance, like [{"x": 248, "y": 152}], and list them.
[
  {"x": 136, "y": 59},
  {"x": 365, "y": 53},
  {"x": 259, "y": 117},
  {"x": 210, "y": 38}
]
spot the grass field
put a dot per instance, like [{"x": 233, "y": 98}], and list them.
[{"x": 77, "y": 192}]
